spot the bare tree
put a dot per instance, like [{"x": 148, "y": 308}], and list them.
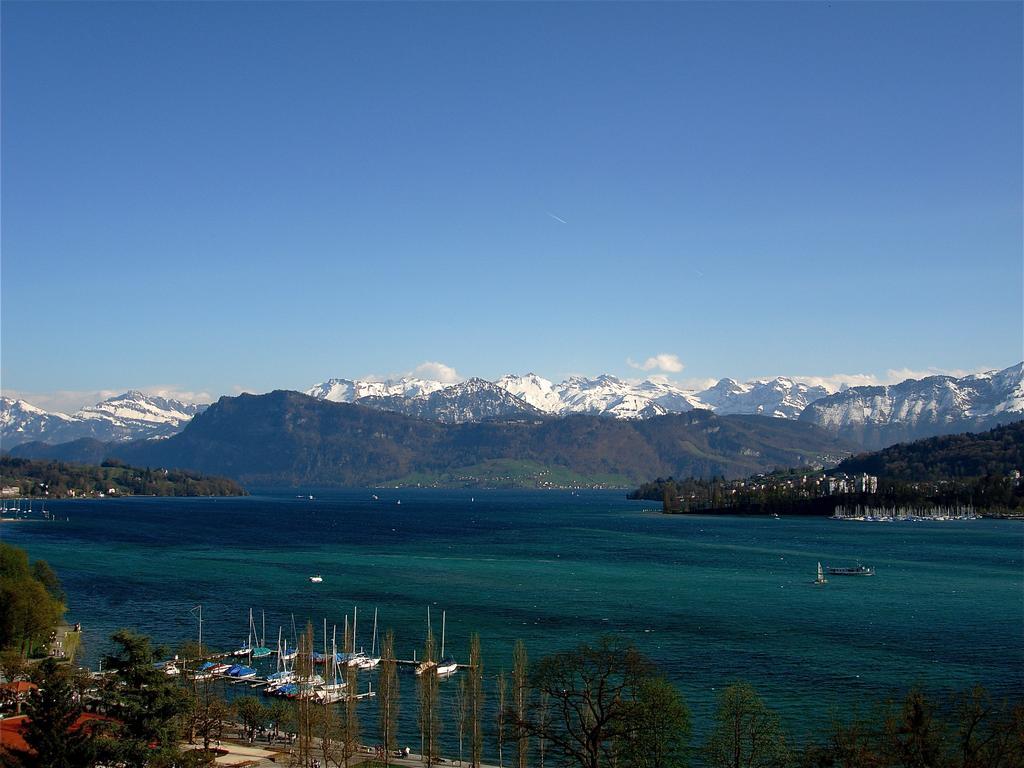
[
  {"x": 352, "y": 731},
  {"x": 586, "y": 696},
  {"x": 501, "y": 685},
  {"x": 459, "y": 710},
  {"x": 388, "y": 696},
  {"x": 475, "y": 701},
  {"x": 520, "y": 697},
  {"x": 430, "y": 710}
]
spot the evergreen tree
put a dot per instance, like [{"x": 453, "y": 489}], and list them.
[{"x": 52, "y": 736}]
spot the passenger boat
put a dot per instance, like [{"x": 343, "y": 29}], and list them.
[{"x": 857, "y": 570}]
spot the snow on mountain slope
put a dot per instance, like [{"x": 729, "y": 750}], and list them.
[
  {"x": 468, "y": 401},
  {"x": 532, "y": 389},
  {"x": 781, "y": 397},
  {"x": 350, "y": 390},
  {"x": 915, "y": 408},
  {"x": 131, "y": 416}
]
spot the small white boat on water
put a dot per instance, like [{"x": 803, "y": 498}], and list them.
[
  {"x": 317, "y": 579},
  {"x": 821, "y": 576}
]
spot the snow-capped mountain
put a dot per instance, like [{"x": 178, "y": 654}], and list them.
[
  {"x": 472, "y": 400},
  {"x": 350, "y": 390},
  {"x": 131, "y": 416},
  {"x": 782, "y": 397},
  {"x": 533, "y": 389},
  {"x": 916, "y": 408},
  {"x": 19, "y": 418},
  {"x": 872, "y": 415}
]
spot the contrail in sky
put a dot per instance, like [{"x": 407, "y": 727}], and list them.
[{"x": 557, "y": 218}]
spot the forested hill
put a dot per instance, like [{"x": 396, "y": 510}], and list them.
[
  {"x": 58, "y": 480},
  {"x": 997, "y": 452},
  {"x": 287, "y": 438}
]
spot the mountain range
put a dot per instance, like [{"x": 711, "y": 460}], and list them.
[
  {"x": 871, "y": 417},
  {"x": 130, "y": 416},
  {"x": 288, "y": 438}
]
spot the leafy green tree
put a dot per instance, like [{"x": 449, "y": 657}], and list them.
[
  {"x": 50, "y": 731},
  {"x": 44, "y": 574},
  {"x": 28, "y": 611},
  {"x": 747, "y": 734},
  {"x": 655, "y": 728},
  {"x": 280, "y": 714},
  {"x": 252, "y": 714}
]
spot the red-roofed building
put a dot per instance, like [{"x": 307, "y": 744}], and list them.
[{"x": 11, "y": 729}]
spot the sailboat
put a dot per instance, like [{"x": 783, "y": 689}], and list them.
[
  {"x": 261, "y": 651},
  {"x": 447, "y": 665},
  {"x": 427, "y": 664},
  {"x": 821, "y": 576},
  {"x": 332, "y": 691},
  {"x": 283, "y": 675},
  {"x": 246, "y": 649},
  {"x": 371, "y": 661}
]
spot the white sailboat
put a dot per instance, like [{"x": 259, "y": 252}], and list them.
[
  {"x": 371, "y": 661},
  {"x": 447, "y": 665},
  {"x": 821, "y": 576},
  {"x": 246, "y": 649}
]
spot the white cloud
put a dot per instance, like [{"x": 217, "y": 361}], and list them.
[
  {"x": 661, "y": 362},
  {"x": 435, "y": 371},
  {"x": 174, "y": 393}
]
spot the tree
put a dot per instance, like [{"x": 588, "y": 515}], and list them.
[
  {"x": 914, "y": 736},
  {"x": 657, "y": 727},
  {"x": 28, "y": 611},
  {"x": 501, "y": 716},
  {"x": 588, "y": 692},
  {"x": 520, "y": 695},
  {"x": 305, "y": 720},
  {"x": 55, "y": 737},
  {"x": 460, "y": 713},
  {"x": 475, "y": 701},
  {"x": 279, "y": 715},
  {"x": 252, "y": 714},
  {"x": 430, "y": 710},
  {"x": 388, "y": 696},
  {"x": 352, "y": 731},
  {"x": 988, "y": 735},
  {"x": 147, "y": 703},
  {"x": 747, "y": 733}
]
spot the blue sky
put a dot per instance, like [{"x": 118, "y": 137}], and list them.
[{"x": 222, "y": 196}]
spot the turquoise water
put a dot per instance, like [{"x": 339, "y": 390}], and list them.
[{"x": 710, "y": 599}]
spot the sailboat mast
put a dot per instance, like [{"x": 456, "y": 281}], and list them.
[
  {"x": 355, "y": 615},
  {"x": 442, "y": 635},
  {"x": 373, "y": 646}
]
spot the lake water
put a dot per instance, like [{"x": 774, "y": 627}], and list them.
[{"x": 710, "y": 599}]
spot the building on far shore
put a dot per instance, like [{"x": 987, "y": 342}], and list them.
[{"x": 841, "y": 483}]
